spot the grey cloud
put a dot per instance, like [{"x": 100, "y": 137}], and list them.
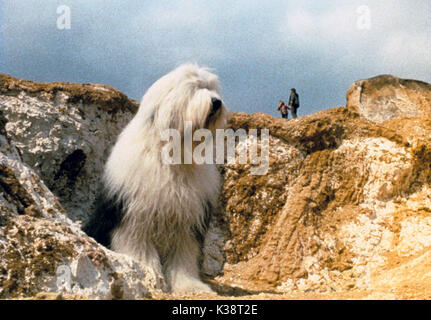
[{"x": 253, "y": 45}]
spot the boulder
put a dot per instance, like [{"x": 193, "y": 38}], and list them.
[
  {"x": 42, "y": 250},
  {"x": 64, "y": 131},
  {"x": 386, "y": 97}
]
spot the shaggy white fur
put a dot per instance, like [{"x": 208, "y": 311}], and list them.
[{"x": 166, "y": 207}]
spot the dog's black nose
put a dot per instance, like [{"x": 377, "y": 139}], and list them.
[{"x": 216, "y": 104}]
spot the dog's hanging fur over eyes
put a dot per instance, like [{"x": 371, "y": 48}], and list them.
[{"x": 156, "y": 212}]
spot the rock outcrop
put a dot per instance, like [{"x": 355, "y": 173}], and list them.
[
  {"x": 345, "y": 206},
  {"x": 386, "y": 97},
  {"x": 41, "y": 248},
  {"x": 64, "y": 132}
]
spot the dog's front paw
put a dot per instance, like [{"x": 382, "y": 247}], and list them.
[{"x": 190, "y": 285}]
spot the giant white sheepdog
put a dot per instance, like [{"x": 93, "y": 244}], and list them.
[{"x": 158, "y": 212}]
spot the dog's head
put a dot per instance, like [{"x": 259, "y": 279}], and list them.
[{"x": 188, "y": 93}]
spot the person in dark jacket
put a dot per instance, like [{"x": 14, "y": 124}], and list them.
[{"x": 294, "y": 102}]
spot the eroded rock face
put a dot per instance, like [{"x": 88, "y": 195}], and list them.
[
  {"x": 344, "y": 199},
  {"x": 47, "y": 130},
  {"x": 64, "y": 132},
  {"x": 386, "y": 97},
  {"x": 42, "y": 250}
]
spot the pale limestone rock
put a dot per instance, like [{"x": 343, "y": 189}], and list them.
[
  {"x": 66, "y": 143},
  {"x": 386, "y": 97},
  {"x": 42, "y": 250}
]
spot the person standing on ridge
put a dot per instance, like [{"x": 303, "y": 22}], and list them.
[
  {"x": 282, "y": 107},
  {"x": 294, "y": 102}
]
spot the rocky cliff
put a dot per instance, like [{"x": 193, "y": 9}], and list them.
[
  {"x": 54, "y": 139},
  {"x": 344, "y": 210},
  {"x": 387, "y": 97},
  {"x": 346, "y": 202}
]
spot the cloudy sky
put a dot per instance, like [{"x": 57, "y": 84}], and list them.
[{"x": 259, "y": 49}]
